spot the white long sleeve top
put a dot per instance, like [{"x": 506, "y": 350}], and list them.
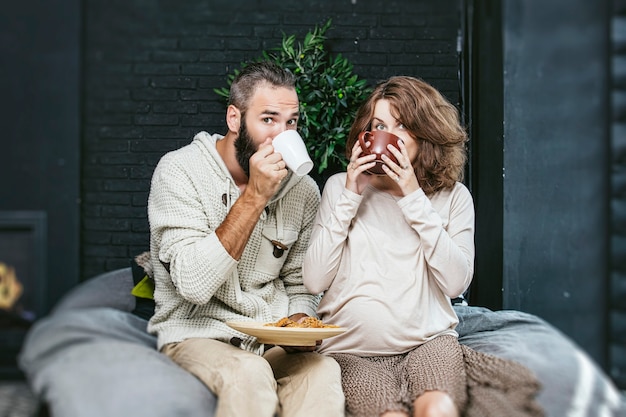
[{"x": 388, "y": 266}]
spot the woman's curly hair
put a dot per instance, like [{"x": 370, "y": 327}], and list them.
[{"x": 430, "y": 119}]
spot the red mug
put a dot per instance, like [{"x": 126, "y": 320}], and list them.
[{"x": 378, "y": 139}]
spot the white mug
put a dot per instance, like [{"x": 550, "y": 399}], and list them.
[{"x": 291, "y": 146}]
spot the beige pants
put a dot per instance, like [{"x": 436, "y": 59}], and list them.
[{"x": 248, "y": 385}]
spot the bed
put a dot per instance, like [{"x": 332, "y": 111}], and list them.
[{"x": 93, "y": 356}]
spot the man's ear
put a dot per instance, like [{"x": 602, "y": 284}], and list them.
[{"x": 233, "y": 118}]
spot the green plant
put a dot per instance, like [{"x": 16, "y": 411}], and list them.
[{"x": 329, "y": 93}]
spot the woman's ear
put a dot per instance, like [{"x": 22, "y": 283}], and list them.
[{"x": 233, "y": 118}]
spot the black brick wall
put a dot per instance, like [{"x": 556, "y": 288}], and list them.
[{"x": 150, "y": 68}]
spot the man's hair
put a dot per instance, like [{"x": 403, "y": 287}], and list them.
[
  {"x": 254, "y": 74},
  {"x": 431, "y": 120}
]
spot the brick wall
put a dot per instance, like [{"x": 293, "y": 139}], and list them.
[{"x": 150, "y": 68}]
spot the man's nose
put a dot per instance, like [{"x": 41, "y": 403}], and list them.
[
  {"x": 277, "y": 131},
  {"x": 281, "y": 127}
]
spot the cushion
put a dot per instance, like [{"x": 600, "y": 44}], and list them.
[{"x": 111, "y": 289}]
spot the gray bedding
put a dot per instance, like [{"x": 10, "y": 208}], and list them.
[
  {"x": 91, "y": 356},
  {"x": 572, "y": 384}
]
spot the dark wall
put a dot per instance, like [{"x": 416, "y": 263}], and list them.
[
  {"x": 618, "y": 195},
  {"x": 40, "y": 115},
  {"x": 484, "y": 91},
  {"x": 151, "y": 67},
  {"x": 555, "y": 165}
]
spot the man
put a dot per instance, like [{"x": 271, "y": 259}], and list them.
[{"x": 229, "y": 228}]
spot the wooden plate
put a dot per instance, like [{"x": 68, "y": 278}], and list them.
[{"x": 285, "y": 336}]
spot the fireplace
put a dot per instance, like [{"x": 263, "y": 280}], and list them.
[{"x": 22, "y": 281}]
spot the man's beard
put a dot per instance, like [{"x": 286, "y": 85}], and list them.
[{"x": 244, "y": 147}]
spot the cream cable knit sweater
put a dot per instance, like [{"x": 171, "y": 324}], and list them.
[{"x": 198, "y": 285}]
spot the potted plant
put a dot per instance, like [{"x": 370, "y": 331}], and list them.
[{"x": 329, "y": 93}]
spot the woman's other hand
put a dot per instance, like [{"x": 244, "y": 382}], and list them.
[
  {"x": 356, "y": 182},
  {"x": 402, "y": 172}
]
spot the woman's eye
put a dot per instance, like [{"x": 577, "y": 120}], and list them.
[{"x": 379, "y": 126}]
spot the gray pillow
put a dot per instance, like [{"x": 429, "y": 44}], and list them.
[
  {"x": 101, "y": 362},
  {"x": 111, "y": 289}
]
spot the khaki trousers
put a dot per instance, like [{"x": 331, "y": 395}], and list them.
[{"x": 277, "y": 384}]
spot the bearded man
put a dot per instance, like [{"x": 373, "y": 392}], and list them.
[{"x": 229, "y": 227}]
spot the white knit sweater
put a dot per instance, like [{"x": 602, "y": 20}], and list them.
[{"x": 191, "y": 194}]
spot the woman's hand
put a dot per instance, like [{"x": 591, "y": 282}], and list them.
[
  {"x": 402, "y": 172},
  {"x": 356, "y": 182}
]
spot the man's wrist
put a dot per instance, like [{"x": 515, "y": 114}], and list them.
[{"x": 251, "y": 199}]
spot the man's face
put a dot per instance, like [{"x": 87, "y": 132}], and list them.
[{"x": 271, "y": 111}]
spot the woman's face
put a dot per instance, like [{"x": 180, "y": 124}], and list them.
[{"x": 383, "y": 120}]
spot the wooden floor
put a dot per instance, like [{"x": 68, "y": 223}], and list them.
[{"x": 16, "y": 400}]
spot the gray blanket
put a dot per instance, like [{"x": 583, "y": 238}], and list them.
[{"x": 91, "y": 356}]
